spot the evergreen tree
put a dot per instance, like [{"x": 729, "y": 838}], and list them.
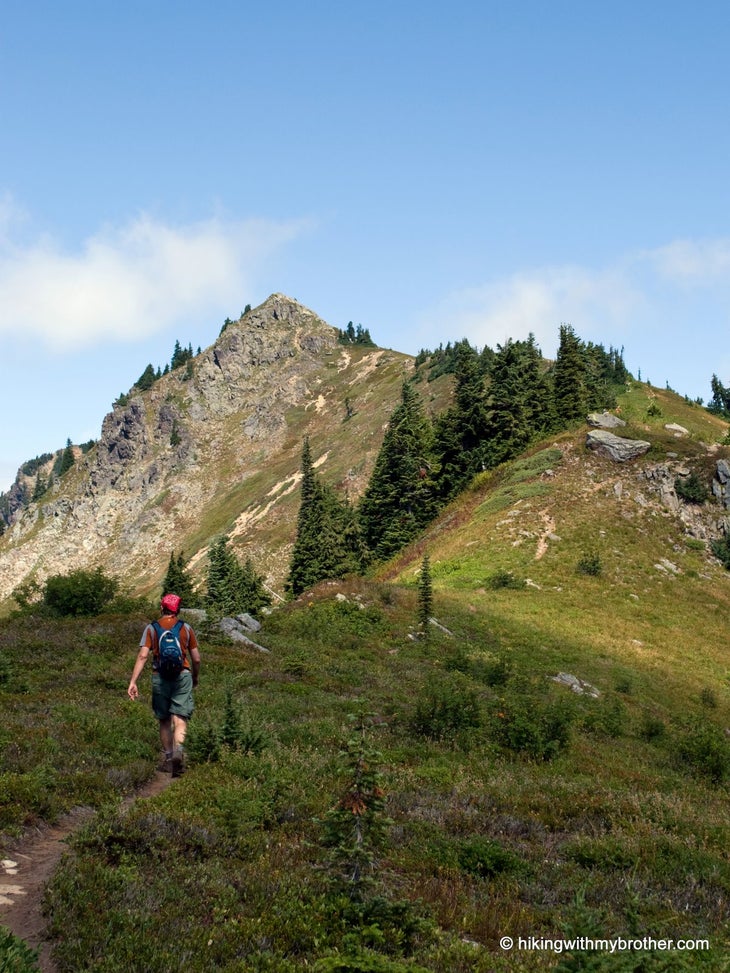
[
  {"x": 600, "y": 378},
  {"x": 147, "y": 379},
  {"x": 425, "y": 595},
  {"x": 232, "y": 588},
  {"x": 354, "y": 831},
  {"x": 40, "y": 488},
  {"x": 401, "y": 496},
  {"x": 178, "y": 581},
  {"x": 328, "y": 542},
  {"x": 720, "y": 401},
  {"x": 461, "y": 432},
  {"x": 251, "y": 590},
  {"x": 519, "y": 400},
  {"x": 65, "y": 460},
  {"x": 177, "y": 356},
  {"x": 569, "y": 378}
]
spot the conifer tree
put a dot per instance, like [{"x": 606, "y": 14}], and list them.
[
  {"x": 401, "y": 496},
  {"x": 519, "y": 400},
  {"x": 720, "y": 401},
  {"x": 177, "y": 356},
  {"x": 40, "y": 487},
  {"x": 66, "y": 460},
  {"x": 461, "y": 432},
  {"x": 328, "y": 542},
  {"x": 425, "y": 595},
  {"x": 233, "y": 588},
  {"x": 355, "y": 830},
  {"x": 178, "y": 580},
  {"x": 147, "y": 379},
  {"x": 569, "y": 378}
]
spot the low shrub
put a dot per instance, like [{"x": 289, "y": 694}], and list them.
[
  {"x": 691, "y": 489},
  {"x": 607, "y": 717},
  {"x": 589, "y": 563},
  {"x": 492, "y": 671},
  {"x": 364, "y": 961},
  {"x": 79, "y": 593},
  {"x": 528, "y": 725},
  {"x": 16, "y": 956},
  {"x": 705, "y": 749},
  {"x": 503, "y": 579},
  {"x": 721, "y": 549},
  {"x": 652, "y": 728},
  {"x": 445, "y": 710},
  {"x": 484, "y": 858}
]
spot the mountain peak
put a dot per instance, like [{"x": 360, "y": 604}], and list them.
[{"x": 211, "y": 448}]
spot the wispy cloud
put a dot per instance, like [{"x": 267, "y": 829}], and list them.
[
  {"x": 697, "y": 262},
  {"x": 666, "y": 293},
  {"x": 126, "y": 282},
  {"x": 538, "y": 301}
]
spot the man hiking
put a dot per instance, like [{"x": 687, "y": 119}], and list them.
[{"x": 175, "y": 670}]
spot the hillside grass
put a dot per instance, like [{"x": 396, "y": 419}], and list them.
[
  {"x": 512, "y": 806},
  {"x": 515, "y": 807}
]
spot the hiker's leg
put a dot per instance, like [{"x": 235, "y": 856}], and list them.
[
  {"x": 179, "y": 729},
  {"x": 166, "y": 734}
]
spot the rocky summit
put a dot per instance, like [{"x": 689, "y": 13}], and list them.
[{"x": 210, "y": 449}]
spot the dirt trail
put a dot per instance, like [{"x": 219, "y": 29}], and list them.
[{"x": 29, "y": 865}]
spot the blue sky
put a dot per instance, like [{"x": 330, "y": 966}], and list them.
[{"x": 430, "y": 171}]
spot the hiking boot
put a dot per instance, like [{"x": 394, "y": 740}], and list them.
[
  {"x": 165, "y": 764},
  {"x": 177, "y": 762}
]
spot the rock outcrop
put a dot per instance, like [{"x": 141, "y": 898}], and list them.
[
  {"x": 721, "y": 483},
  {"x": 604, "y": 420},
  {"x": 614, "y": 447}
]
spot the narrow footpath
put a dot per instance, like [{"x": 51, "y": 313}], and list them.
[{"x": 29, "y": 865}]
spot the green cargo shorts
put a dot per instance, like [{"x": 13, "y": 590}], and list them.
[{"x": 172, "y": 697}]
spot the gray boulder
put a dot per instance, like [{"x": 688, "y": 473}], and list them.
[
  {"x": 248, "y": 622},
  {"x": 576, "y": 685},
  {"x": 236, "y": 632},
  {"x": 605, "y": 420},
  {"x": 614, "y": 447}
]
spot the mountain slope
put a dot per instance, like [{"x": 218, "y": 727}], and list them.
[
  {"x": 214, "y": 449},
  {"x": 594, "y": 563}
]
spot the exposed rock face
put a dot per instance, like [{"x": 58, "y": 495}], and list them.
[
  {"x": 702, "y": 521},
  {"x": 721, "y": 483},
  {"x": 614, "y": 447},
  {"x": 171, "y": 468},
  {"x": 604, "y": 420}
]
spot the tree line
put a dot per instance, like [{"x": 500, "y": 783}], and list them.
[{"x": 503, "y": 400}]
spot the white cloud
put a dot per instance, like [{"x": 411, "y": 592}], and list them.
[
  {"x": 539, "y": 301},
  {"x": 692, "y": 261},
  {"x": 127, "y": 282},
  {"x": 669, "y": 307}
]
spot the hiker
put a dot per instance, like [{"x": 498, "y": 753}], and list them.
[{"x": 175, "y": 670}]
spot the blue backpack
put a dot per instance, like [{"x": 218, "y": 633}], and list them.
[{"x": 170, "y": 653}]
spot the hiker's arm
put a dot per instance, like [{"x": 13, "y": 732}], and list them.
[
  {"x": 132, "y": 690},
  {"x": 195, "y": 664}
]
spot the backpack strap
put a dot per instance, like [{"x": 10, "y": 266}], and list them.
[{"x": 159, "y": 631}]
